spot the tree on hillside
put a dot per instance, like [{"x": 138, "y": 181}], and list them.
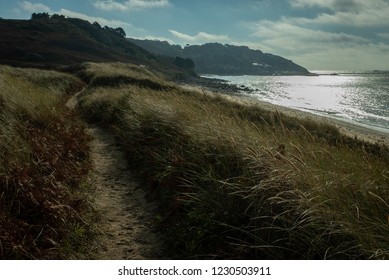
[
  {"x": 97, "y": 25},
  {"x": 120, "y": 31},
  {"x": 57, "y": 16},
  {"x": 40, "y": 16},
  {"x": 117, "y": 31}
]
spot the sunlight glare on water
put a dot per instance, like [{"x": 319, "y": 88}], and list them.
[
  {"x": 322, "y": 93},
  {"x": 358, "y": 98}
]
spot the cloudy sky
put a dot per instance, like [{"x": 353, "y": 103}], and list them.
[{"x": 318, "y": 34}]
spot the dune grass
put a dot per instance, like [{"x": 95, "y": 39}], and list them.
[
  {"x": 43, "y": 164},
  {"x": 116, "y": 74},
  {"x": 235, "y": 181}
]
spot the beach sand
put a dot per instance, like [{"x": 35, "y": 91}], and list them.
[{"x": 349, "y": 129}]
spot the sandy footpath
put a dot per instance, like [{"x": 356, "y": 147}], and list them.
[
  {"x": 126, "y": 222},
  {"x": 126, "y": 219}
]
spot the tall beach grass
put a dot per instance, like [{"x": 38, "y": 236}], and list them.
[
  {"x": 44, "y": 161},
  {"x": 237, "y": 181}
]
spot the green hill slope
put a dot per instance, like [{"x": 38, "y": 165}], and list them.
[{"x": 52, "y": 41}]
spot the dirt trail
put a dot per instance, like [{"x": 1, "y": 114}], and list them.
[{"x": 125, "y": 216}]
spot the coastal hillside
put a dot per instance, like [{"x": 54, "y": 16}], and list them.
[
  {"x": 219, "y": 59},
  {"x": 53, "y": 41},
  {"x": 206, "y": 177},
  {"x": 240, "y": 181}
]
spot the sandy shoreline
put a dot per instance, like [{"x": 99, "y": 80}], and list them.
[{"x": 347, "y": 128}]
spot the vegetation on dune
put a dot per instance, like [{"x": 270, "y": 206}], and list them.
[
  {"x": 233, "y": 181},
  {"x": 239, "y": 182},
  {"x": 117, "y": 74},
  {"x": 43, "y": 164}
]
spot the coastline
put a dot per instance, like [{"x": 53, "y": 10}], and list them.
[
  {"x": 347, "y": 128},
  {"x": 212, "y": 86}
]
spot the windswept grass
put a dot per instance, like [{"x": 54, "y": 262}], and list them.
[
  {"x": 240, "y": 182},
  {"x": 44, "y": 159},
  {"x": 116, "y": 74}
]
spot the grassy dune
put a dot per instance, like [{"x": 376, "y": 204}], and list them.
[
  {"x": 239, "y": 182},
  {"x": 44, "y": 160},
  {"x": 116, "y": 74},
  {"x": 233, "y": 181}
]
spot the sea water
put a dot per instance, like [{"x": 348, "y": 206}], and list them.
[{"x": 360, "y": 98}]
